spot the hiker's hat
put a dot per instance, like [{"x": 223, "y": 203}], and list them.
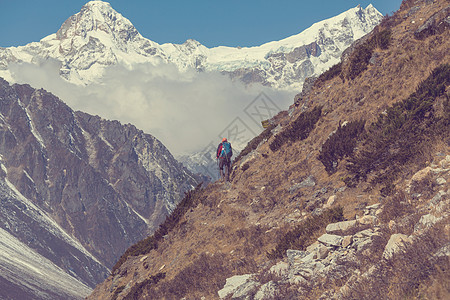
[{"x": 224, "y": 139}]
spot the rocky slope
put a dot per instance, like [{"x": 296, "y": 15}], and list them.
[
  {"x": 345, "y": 196},
  {"x": 98, "y": 37},
  {"x": 77, "y": 189}
]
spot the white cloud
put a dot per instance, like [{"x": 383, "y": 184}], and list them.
[{"x": 186, "y": 111}]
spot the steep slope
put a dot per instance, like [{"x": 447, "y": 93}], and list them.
[
  {"x": 367, "y": 143},
  {"x": 98, "y": 37},
  {"x": 78, "y": 189}
]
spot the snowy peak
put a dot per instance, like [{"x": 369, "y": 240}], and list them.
[
  {"x": 98, "y": 37},
  {"x": 98, "y": 17}
]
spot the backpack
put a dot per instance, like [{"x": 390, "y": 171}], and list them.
[{"x": 226, "y": 150}]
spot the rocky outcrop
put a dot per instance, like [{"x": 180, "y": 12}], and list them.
[{"x": 338, "y": 254}]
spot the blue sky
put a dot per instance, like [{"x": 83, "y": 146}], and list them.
[{"x": 211, "y": 22}]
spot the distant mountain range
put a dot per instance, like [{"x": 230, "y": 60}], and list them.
[
  {"x": 98, "y": 37},
  {"x": 76, "y": 190}
]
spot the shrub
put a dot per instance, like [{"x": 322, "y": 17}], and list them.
[
  {"x": 253, "y": 144},
  {"x": 360, "y": 57},
  {"x": 298, "y": 129},
  {"x": 190, "y": 199},
  {"x": 401, "y": 133},
  {"x": 340, "y": 144},
  {"x": 330, "y": 73},
  {"x": 305, "y": 233},
  {"x": 137, "y": 289}
]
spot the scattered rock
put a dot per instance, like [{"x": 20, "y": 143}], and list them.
[
  {"x": 232, "y": 284},
  {"x": 330, "y": 240},
  {"x": 330, "y": 201},
  {"x": 396, "y": 244},
  {"x": 347, "y": 241},
  {"x": 266, "y": 291},
  {"x": 280, "y": 268},
  {"x": 421, "y": 175},
  {"x": 322, "y": 252},
  {"x": 308, "y": 182},
  {"x": 367, "y": 220},
  {"x": 441, "y": 181},
  {"x": 341, "y": 226},
  {"x": 295, "y": 256}
]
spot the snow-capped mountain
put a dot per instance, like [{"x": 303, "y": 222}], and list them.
[
  {"x": 98, "y": 37},
  {"x": 76, "y": 190}
]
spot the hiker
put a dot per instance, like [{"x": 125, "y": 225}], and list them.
[{"x": 224, "y": 153}]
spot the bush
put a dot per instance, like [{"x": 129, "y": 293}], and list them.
[
  {"x": 330, "y": 73},
  {"x": 340, "y": 144},
  {"x": 253, "y": 144},
  {"x": 190, "y": 199},
  {"x": 401, "y": 133},
  {"x": 137, "y": 289},
  {"x": 360, "y": 57},
  {"x": 298, "y": 129},
  {"x": 305, "y": 233}
]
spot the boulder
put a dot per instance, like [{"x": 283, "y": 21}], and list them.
[
  {"x": 330, "y": 201},
  {"x": 232, "y": 284},
  {"x": 367, "y": 220},
  {"x": 340, "y": 226},
  {"x": 396, "y": 244},
  {"x": 330, "y": 240},
  {"x": 421, "y": 175},
  {"x": 280, "y": 268},
  {"x": 347, "y": 241},
  {"x": 322, "y": 252},
  {"x": 266, "y": 291},
  {"x": 295, "y": 256}
]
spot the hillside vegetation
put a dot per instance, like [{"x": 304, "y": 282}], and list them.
[{"x": 345, "y": 196}]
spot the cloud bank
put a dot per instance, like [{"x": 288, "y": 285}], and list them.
[{"x": 184, "y": 110}]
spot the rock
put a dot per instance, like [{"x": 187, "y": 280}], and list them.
[
  {"x": 266, "y": 291},
  {"x": 280, "y": 268},
  {"x": 395, "y": 244},
  {"x": 426, "y": 222},
  {"x": 243, "y": 291},
  {"x": 347, "y": 241},
  {"x": 295, "y": 256},
  {"x": 421, "y": 175},
  {"x": 367, "y": 220},
  {"x": 391, "y": 224},
  {"x": 232, "y": 284},
  {"x": 330, "y": 201},
  {"x": 330, "y": 240},
  {"x": 322, "y": 252},
  {"x": 341, "y": 226},
  {"x": 441, "y": 181},
  {"x": 312, "y": 247},
  {"x": 308, "y": 182},
  {"x": 364, "y": 233},
  {"x": 445, "y": 163}
]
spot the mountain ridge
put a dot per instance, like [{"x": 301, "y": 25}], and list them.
[
  {"x": 98, "y": 37},
  {"x": 345, "y": 196}
]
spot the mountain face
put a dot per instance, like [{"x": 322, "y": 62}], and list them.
[
  {"x": 77, "y": 189},
  {"x": 98, "y": 37},
  {"x": 345, "y": 195}
]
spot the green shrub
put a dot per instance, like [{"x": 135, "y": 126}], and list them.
[
  {"x": 137, "y": 289},
  {"x": 190, "y": 199},
  {"x": 298, "y": 129},
  {"x": 330, "y": 73},
  {"x": 253, "y": 144},
  {"x": 360, "y": 57},
  {"x": 401, "y": 133},
  {"x": 340, "y": 144},
  {"x": 305, "y": 233}
]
